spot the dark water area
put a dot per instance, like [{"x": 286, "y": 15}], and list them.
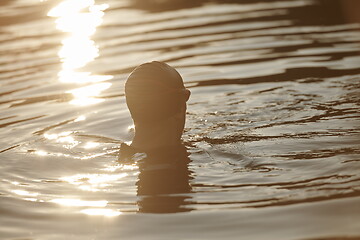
[{"x": 272, "y": 131}]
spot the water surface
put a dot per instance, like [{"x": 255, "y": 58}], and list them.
[{"x": 272, "y": 126}]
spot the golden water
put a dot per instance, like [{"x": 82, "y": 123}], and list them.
[{"x": 272, "y": 124}]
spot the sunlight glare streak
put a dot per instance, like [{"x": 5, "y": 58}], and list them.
[
  {"x": 27, "y": 196},
  {"x": 92, "y": 90},
  {"x": 91, "y": 145},
  {"x": 80, "y": 203},
  {"x": 121, "y": 166},
  {"x": 92, "y": 156},
  {"x": 69, "y": 7},
  {"x": 51, "y": 136},
  {"x": 80, "y": 118},
  {"x": 102, "y": 178},
  {"x": 85, "y": 95},
  {"x": 25, "y": 193},
  {"x": 92, "y": 182},
  {"x": 62, "y": 138},
  {"x": 56, "y": 136},
  {"x": 101, "y": 212},
  {"x": 70, "y": 76},
  {"x": 67, "y": 139},
  {"x": 80, "y": 19},
  {"x": 31, "y": 199},
  {"x": 71, "y": 58},
  {"x": 41, "y": 153}
]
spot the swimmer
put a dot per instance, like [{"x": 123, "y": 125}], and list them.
[{"x": 156, "y": 98}]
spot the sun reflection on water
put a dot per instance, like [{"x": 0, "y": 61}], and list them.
[
  {"x": 101, "y": 212},
  {"x": 98, "y": 211},
  {"x": 87, "y": 95},
  {"x": 64, "y": 138},
  {"x": 91, "y": 145},
  {"x": 80, "y": 203},
  {"x": 25, "y": 193},
  {"x": 93, "y": 182},
  {"x": 56, "y": 136},
  {"x": 80, "y": 19},
  {"x": 41, "y": 153},
  {"x": 80, "y": 118}
]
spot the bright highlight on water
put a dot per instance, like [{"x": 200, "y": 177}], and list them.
[{"x": 270, "y": 148}]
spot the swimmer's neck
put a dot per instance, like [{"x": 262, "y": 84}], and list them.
[{"x": 157, "y": 135}]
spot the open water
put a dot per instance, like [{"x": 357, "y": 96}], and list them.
[{"x": 273, "y": 122}]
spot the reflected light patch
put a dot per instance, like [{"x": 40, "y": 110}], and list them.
[
  {"x": 101, "y": 212},
  {"x": 121, "y": 166},
  {"x": 69, "y": 7},
  {"x": 87, "y": 95},
  {"x": 92, "y": 90},
  {"x": 85, "y": 101},
  {"x": 51, "y": 136},
  {"x": 102, "y": 178},
  {"x": 72, "y": 58},
  {"x": 79, "y": 18},
  {"x": 80, "y": 203},
  {"x": 85, "y": 24},
  {"x": 88, "y": 188},
  {"x": 56, "y": 136},
  {"x": 31, "y": 199},
  {"x": 41, "y": 153},
  {"x": 93, "y": 182},
  {"x": 91, "y": 145},
  {"x": 130, "y": 167},
  {"x": 92, "y": 156},
  {"x": 70, "y": 76},
  {"x": 112, "y": 168},
  {"x": 62, "y": 138},
  {"x": 25, "y": 193},
  {"x": 131, "y": 128},
  {"x": 67, "y": 139},
  {"x": 80, "y": 118}
]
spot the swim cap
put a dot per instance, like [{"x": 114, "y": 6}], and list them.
[{"x": 154, "y": 91}]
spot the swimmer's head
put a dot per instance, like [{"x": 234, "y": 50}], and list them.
[{"x": 154, "y": 93}]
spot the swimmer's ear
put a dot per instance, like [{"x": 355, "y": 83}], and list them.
[{"x": 187, "y": 94}]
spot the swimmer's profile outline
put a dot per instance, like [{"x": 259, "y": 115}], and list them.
[{"x": 156, "y": 98}]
